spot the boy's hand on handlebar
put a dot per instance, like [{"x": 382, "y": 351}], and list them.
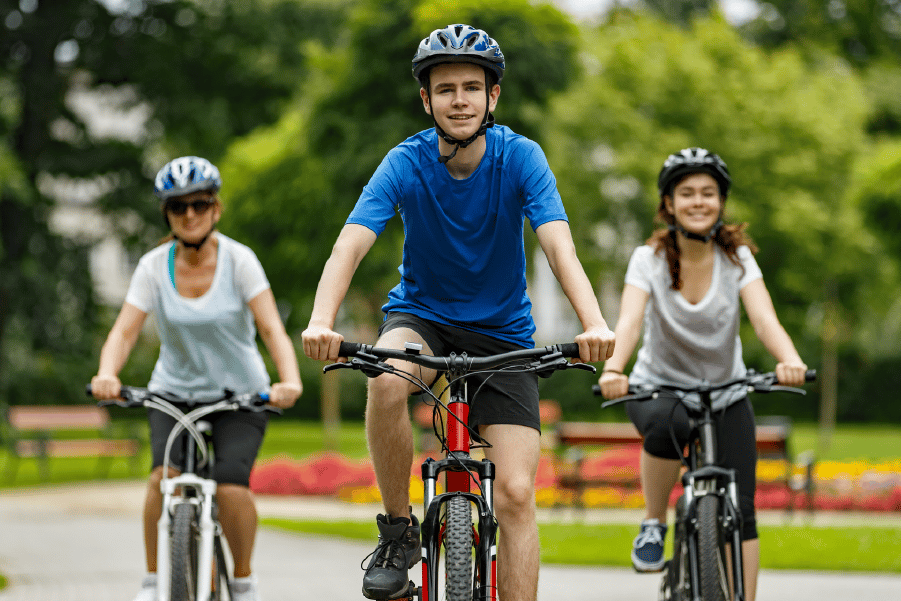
[
  {"x": 596, "y": 344},
  {"x": 613, "y": 385},
  {"x": 791, "y": 373},
  {"x": 104, "y": 388},
  {"x": 322, "y": 343},
  {"x": 284, "y": 394}
]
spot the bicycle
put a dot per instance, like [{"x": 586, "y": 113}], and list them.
[
  {"x": 191, "y": 557},
  {"x": 470, "y": 549},
  {"x": 708, "y": 520}
]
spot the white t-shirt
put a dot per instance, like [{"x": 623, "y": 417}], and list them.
[
  {"x": 207, "y": 344},
  {"x": 686, "y": 343}
]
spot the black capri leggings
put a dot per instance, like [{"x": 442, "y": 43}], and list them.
[
  {"x": 735, "y": 436},
  {"x": 237, "y": 436}
]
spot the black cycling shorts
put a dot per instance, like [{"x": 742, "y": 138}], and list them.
[
  {"x": 497, "y": 398},
  {"x": 237, "y": 436},
  {"x": 735, "y": 437}
]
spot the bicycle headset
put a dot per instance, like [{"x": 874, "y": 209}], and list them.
[
  {"x": 182, "y": 176},
  {"x": 686, "y": 162},
  {"x": 459, "y": 44}
]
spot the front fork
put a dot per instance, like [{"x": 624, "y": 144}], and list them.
[
  {"x": 704, "y": 481},
  {"x": 486, "y": 547},
  {"x": 206, "y": 491}
]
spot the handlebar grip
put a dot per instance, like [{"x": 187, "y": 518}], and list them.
[
  {"x": 570, "y": 350},
  {"x": 596, "y": 390},
  {"x": 87, "y": 390},
  {"x": 810, "y": 375},
  {"x": 349, "y": 349}
]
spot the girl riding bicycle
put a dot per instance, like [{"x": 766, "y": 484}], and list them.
[
  {"x": 686, "y": 285},
  {"x": 210, "y": 296}
]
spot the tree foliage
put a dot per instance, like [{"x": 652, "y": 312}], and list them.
[
  {"x": 201, "y": 73},
  {"x": 291, "y": 187}
]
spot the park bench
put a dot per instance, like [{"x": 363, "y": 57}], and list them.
[
  {"x": 574, "y": 442},
  {"x": 49, "y": 431}
]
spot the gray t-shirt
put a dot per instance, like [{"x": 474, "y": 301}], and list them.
[
  {"x": 207, "y": 344},
  {"x": 686, "y": 343}
]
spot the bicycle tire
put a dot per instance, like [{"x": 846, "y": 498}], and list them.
[
  {"x": 458, "y": 547},
  {"x": 711, "y": 551},
  {"x": 183, "y": 554}
]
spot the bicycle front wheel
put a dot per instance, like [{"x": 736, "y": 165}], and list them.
[
  {"x": 183, "y": 554},
  {"x": 711, "y": 550},
  {"x": 458, "y": 546}
]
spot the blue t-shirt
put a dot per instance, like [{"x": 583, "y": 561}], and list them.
[{"x": 464, "y": 261}]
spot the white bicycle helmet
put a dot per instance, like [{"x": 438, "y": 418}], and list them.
[{"x": 185, "y": 175}]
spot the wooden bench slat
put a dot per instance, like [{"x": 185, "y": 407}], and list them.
[
  {"x": 77, "y": 448},
  {"x": 58, "y": 418}
]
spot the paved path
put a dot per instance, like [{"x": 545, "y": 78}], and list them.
[{"x": 83, "y": 543}]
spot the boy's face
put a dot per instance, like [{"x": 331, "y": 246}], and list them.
[{"x": 458, "y": 99}]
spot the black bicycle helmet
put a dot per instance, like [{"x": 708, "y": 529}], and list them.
[
  {"x": 458, "y": 44},
  {"x": 693, "y": 160}
]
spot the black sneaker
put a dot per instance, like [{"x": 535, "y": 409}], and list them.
[{"x": 398, "y": 550}]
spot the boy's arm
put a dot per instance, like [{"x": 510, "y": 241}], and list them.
[
  {"x": 597, "y": 341},
  {"x": 320, "y": 342}
]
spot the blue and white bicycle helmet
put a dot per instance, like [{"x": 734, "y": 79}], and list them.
[
  {"x": 458, "y": 44},
  {"x": 185, "y": 175},
  {"x": 693, "y": 160}
]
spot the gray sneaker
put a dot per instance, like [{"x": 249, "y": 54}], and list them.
[{"x": 398, "y": 550}]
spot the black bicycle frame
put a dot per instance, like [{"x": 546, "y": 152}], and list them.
[{"x": 704, "y": 477}]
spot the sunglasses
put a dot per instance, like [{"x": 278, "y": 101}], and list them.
[{"x": 180, "y": 207}]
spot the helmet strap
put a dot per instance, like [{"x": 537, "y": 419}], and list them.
[
  {"x": 677, "y": 227},
  {"x": 196, "y": 245}
]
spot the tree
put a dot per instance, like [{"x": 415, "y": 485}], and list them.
[
  {"x": 205, "y": 71},
  {"x": 790, "y": 133}
]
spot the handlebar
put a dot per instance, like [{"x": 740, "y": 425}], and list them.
[
  {"x": 543, "y": 360},
  {"x": 756, "y": 382},
  {"x": 132, "y": 396}
]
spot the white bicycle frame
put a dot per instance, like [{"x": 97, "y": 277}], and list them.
[{"x": 173, "y": 490}]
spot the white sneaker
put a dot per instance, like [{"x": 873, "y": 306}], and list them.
[
  {"x": 148, "y": 589},
  {"x": 245, "y": 589}
]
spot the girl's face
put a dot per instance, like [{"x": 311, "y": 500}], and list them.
[
  {"x": 695, "y": 204},
  {"x": 192, "y": 216},
  {"x": 458, "y": 98}
]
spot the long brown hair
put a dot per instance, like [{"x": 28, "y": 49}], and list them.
[{"x": 729, "y": 237}]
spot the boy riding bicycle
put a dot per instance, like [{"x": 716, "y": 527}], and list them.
[{"x": 464, "y": 189}]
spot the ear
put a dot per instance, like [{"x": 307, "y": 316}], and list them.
[
  {"x": 425, "y": 101},
  {"x": 668, "y": 203},
  {"x": 493, "y": 95}
]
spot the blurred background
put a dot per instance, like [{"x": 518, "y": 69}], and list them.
[{"x": 297, "y": 101}]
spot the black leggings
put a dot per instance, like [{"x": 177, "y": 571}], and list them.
[
  {"x": 735, "y": 436},
  {"x": 237, "y": 436}
]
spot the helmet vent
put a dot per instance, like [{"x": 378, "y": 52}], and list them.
[{"x": 458, "y": 29}]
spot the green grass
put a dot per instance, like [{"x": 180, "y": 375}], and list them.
[
  {"x": 782, "y": 547},
  {"x": 870, "y": 443}
]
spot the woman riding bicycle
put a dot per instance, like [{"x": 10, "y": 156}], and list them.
[
  {"x": 463, "y": 189},
  {"x": 210, "y": 296},
  {"x": 686, "y": 285}
]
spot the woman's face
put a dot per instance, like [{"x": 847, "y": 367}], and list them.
[
  {"x": 192, "y": 216},
  {"x": 696, "y": 204}
]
